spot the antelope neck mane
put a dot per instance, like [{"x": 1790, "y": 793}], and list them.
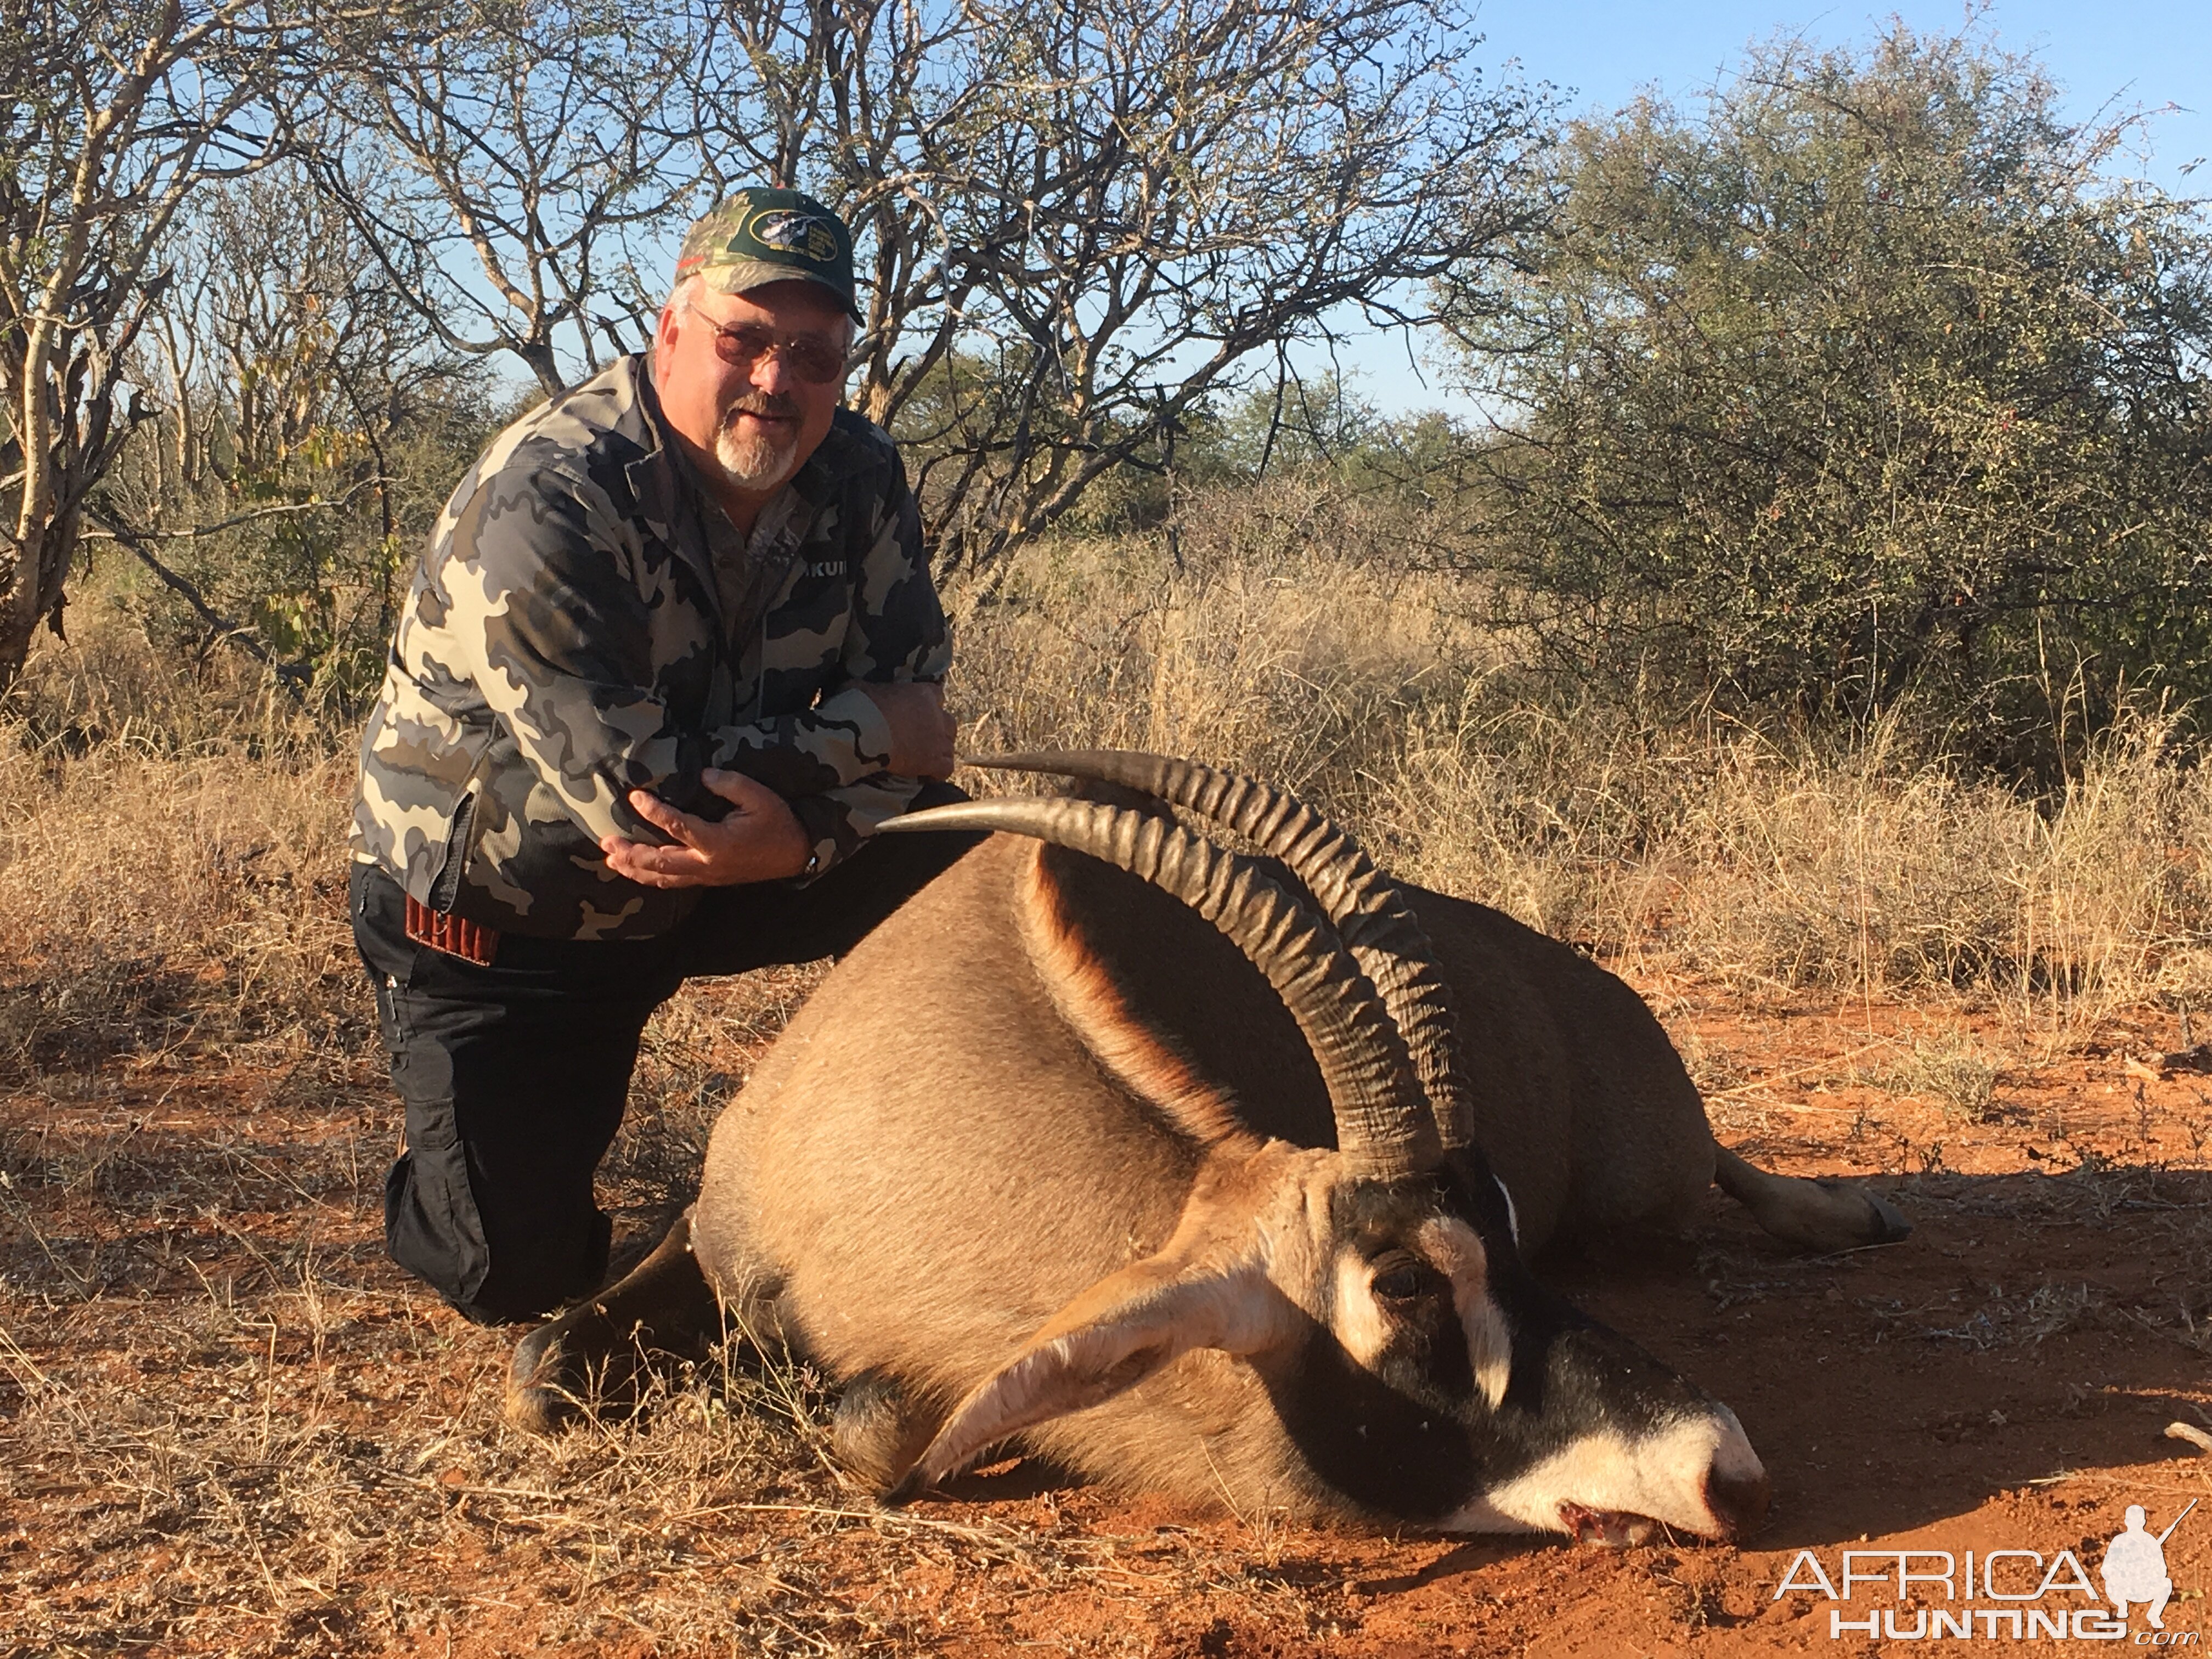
[{"x": 1168, "y": 1007}]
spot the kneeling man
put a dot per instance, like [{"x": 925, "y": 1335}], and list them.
[{"x": 672, "y": 653}]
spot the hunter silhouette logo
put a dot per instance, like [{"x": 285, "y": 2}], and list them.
[{"x": 2135, "y": 1567}]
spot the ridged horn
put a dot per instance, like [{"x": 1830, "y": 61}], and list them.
[
  {"x": 1383, "y": 1127},
  {"x": 1367, "y": 908}
]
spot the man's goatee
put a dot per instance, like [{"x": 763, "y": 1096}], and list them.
[{"x": 755, "y": 460}]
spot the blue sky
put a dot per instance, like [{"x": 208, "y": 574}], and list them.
[{"x": 2147, "y": 53}]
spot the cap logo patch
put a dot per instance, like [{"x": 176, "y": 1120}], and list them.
[{"x": 790, "y": 231}]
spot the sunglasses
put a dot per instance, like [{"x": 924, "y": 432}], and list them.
[{"x": 742, "y": 345}]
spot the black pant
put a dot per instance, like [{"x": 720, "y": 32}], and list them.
[{"x": 515, "y": 1075}]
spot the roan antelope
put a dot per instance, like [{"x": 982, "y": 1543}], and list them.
[{"x": 1212, "y": 1175}]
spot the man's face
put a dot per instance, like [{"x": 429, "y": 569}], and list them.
[{"x": 754, "y": 423}]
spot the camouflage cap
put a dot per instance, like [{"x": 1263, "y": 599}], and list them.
[{"x": 759, "y": 235}]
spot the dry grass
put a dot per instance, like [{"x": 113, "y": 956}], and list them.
[
  {"x": 1778, "y": 865},
  {"x": 1951, "y": 1068},
  {"x": 172, "y": 1222},
  {"x": 1292, "y": 642},
  {"x": 156, "y": 900},
  {"x": 229, "y": 1426}
]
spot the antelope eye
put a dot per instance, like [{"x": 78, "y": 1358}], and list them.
[{"x": 1402, "y": 1279}]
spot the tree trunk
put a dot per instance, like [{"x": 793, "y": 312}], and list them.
[{"x": 20, "y": 611}]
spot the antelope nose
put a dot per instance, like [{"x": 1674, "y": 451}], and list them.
[{"x": 1737, "y": 1499}]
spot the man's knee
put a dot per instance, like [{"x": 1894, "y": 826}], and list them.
[
  {"x": 533, "y": 1281},
  {"x": 496, "y": 1256},
  {"x": 512, "y": 1099}
]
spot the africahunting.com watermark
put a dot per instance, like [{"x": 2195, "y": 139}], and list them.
[{"x": 2013, "y": 1595}]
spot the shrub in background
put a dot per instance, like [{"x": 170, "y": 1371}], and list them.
[{"x": 1867, "y": 384}]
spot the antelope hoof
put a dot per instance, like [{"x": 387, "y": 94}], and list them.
[
  {"x": 879, "y": 1436},
  {"x": 544, "y": 1389},
  {"x": 1885, "y": 1223}
]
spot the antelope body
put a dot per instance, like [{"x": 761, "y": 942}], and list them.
[{"x": 1213, "y": 1176}]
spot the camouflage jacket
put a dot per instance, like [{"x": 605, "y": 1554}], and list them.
[{"x": 586, "y": 621}]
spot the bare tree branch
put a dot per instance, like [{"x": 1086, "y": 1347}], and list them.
[
  {"x": 1084, "y": 218},
  {"x": 113, "y": 114},
  {"x": 507, "y": 159},
  {"x": 292, "y": 676}
]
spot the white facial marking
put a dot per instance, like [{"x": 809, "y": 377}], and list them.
[
  {"x": 1661, "y": 1474},
  {"x": 1360, "y": 1323},
  {"x": 1456, "y": 1251}
]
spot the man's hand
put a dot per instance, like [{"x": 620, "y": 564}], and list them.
[
  {"x": 760, "y": 840},
  {"x": 921, "y": 732}
]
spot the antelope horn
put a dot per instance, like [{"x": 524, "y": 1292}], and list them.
[
  {"x": 1383, "y": 1128},
  {"x": 1368, "y": 909}
]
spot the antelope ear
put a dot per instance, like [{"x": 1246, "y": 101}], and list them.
[{"x": 1112, "y": 1337}]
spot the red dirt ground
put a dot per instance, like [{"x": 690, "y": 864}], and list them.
[{"x": 2001, "y": 1380}]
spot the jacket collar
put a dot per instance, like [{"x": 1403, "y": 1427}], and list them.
[
  {"x": 660, "y": 480},
  {"x": 675, "y": 501}
]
